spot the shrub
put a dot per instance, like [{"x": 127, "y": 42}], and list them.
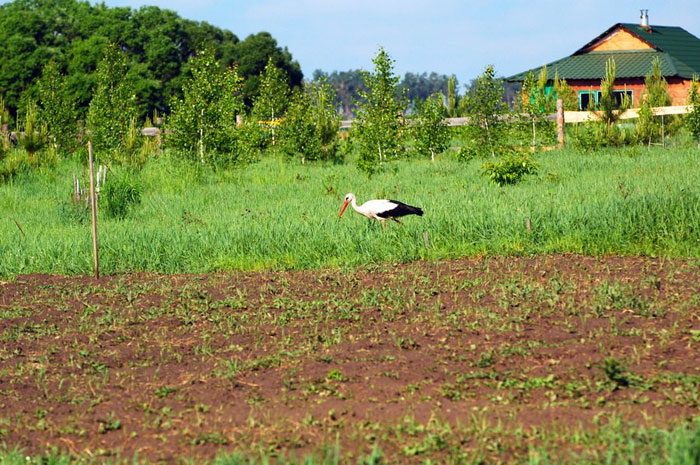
[
  {"x": 692, "y": 119},
  {"x": 16, "y": 162},
  {"x": 595, "y": 135},
  {"x": 120, "y": 195},
  {"x": 4, "y": 124},
  {"x": 5, "y": 144},
  {"x": 34, "y": 136},
  {"x": 566, "y": 93},
  {"x": 467, "y": 153},
  {"x": 510, "y": 169}
]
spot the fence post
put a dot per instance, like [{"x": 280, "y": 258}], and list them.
[
  {"x": 93, "y": 201},
  {"x": 663, "y": 135},
  {"x": 560, "y": 122}
]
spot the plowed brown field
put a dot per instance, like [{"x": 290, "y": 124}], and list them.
[{"x": 482, "y": 357}]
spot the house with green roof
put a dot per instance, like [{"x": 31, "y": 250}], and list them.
[{"x": 633, "y": 47}]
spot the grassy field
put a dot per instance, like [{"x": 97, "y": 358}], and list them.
[{"x": 278, "y": 215}]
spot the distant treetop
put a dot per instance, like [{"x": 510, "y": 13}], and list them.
[{"x": 157, "y": 42}]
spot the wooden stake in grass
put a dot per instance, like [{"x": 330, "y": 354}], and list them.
[
  {"x": 560, "y": 122},
  {"x": 93, "y": 202},
  {"x": 19, "y": 227}
]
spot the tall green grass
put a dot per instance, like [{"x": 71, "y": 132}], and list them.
[{"x": 275, "y": 214}]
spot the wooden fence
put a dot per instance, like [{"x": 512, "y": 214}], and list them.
[{"x": 568, "y": 117}]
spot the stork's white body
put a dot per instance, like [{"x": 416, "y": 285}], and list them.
[{"x": 381, "y": 209}]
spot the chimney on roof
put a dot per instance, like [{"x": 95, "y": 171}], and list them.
[{"x": 645, "y": 18}]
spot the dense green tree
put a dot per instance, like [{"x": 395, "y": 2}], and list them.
[
  {"x": 157, "y": 44},
  {"x": 452, "y": 96},
  {"x": 113, "y": 106},
  {"x": 254, "y": 53},
  {"x": 379, "y": 115},
  {"x": 418, "y": 87},
  {"x": 655, "y": 86},
  {"x": 309, "y": 130},
  {"x": 347, "y": 86},
  {"x": 429, "y": 128},
  {"x": 536, "y": 104},
  {"x": 273, "y": 98},
  {"x": 485, "y": 107},
  {"x": 655, "y": 94},
  {"x": 203, "y": 122},
  {"x": 57, "y": 109},
  {"x": 565, "y": 92}
]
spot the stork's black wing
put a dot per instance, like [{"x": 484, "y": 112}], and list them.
[{"x": 401, "y": 209}]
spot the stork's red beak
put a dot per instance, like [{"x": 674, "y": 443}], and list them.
[{"x": 345, "y": 205}]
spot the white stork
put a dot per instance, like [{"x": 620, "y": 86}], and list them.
[{"x": 381, "y": 209}]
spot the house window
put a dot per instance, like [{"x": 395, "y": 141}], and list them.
[
  {"x": 589, "y": 99},
  {"x": 619, "y": 95}
]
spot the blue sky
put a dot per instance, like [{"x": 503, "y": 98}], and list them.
[{"x": 456, "y": 37}]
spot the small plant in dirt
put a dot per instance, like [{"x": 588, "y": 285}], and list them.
[
  {"x": 609, "y": 296},
  {"x": 336, "y": 375},
  {"x": 616, "y": 374},
  {"x": 486, "y": 359},
  {"x": 120, "y": 195},
  {"x": 379, "y": 123},
  {"x": 430, "y": 132},
  {"x": 164, "y": 391},
  {"x": 111, "y": 423}
]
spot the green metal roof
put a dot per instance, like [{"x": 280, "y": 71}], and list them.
[
  {"x": 677, "y": 49},
  {"x": 592, "y": 65}
]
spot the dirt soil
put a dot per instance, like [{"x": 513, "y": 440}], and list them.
[{"x": 481, "y": 357}]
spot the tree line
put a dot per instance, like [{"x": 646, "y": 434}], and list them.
[{"x": 157, "y": 45}]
